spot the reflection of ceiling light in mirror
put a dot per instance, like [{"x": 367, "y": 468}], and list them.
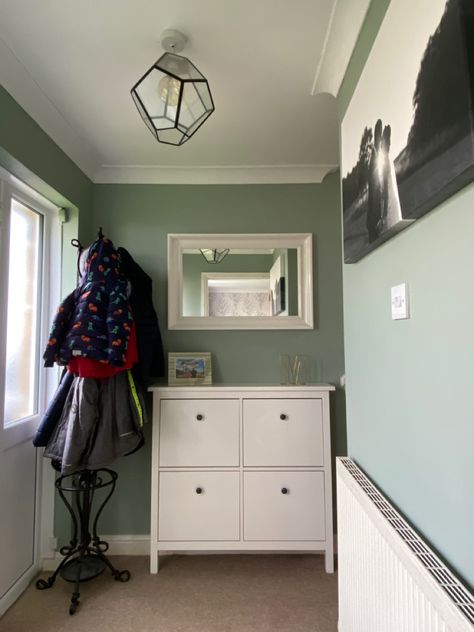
[{"x": 213, "y": 255}]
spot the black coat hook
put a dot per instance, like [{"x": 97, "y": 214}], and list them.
[
  {"x": 100, "y": 234},
  {"x": 77, "y": 244},
  {"x": 80, "y": 248}
]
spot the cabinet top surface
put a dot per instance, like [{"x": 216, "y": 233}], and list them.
[{"x": 227, "y": 387}]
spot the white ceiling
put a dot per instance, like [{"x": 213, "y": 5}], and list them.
[
  {"x": 239, "y": 284},
  {"x": 71, "y": 65}
]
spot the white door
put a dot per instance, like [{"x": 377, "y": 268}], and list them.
[{"x": 29, "y": 232}]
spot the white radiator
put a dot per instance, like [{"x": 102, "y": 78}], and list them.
[{"x": 389, "y": 579}]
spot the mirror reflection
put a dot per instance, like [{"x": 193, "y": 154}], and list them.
[{"x": 240, "y": 282}]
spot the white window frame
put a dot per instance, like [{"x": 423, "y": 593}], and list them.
[{"x": 12, "y": 188}]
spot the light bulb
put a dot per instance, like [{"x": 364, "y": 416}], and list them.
[{"x": 169, "y": 89}]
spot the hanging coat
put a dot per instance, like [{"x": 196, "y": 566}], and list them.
[
  {"x": 150, "y": 348},
  {"x": 95, "y": 320},
  {"x": 101, "y": 421},
  {"x": 53, "y": 413}
]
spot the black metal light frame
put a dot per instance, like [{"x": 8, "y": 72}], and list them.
[
  {"x": 216, "y": 255},
  {"x": 148, "y": 120}
]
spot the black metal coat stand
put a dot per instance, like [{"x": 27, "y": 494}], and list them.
[{"x": 84, "y": 557}]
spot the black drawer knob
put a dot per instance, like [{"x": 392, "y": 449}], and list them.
[
  {"x": 284, "y": 490},
  {"x": 198, "y": 490},
  {"x": 199, "y": 417},
  {"x": 283, "y": 416}
]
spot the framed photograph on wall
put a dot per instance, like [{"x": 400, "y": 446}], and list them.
[
  {"x": 185, "y": 369},
  {"x": 407, "y": 137}
]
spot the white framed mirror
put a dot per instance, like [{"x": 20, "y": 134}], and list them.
[{"x": 240, "y": 281}]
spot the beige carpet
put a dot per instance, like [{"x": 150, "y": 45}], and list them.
[{"x": 214, "y": 593}]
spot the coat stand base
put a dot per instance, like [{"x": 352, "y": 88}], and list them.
[{"x": 84, "y": 557}]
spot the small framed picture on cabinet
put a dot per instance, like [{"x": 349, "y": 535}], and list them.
[{"x": 185, "y": 369}]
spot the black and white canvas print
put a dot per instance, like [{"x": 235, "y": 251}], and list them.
[{"x": 407, "y": 136}]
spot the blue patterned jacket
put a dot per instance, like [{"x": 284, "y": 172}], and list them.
[{"x": 95, "y": 320}]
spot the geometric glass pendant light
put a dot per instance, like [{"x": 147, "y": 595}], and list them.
[
  {"x": 213, "y": 255},
  {"x": 173, "y": 97}
]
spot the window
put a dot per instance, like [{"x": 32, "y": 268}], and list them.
[
  {"x": 30, "y": 264},
  {"x": 23, "y": 299}
]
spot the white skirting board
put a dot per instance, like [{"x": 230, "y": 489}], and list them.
[
  {"x": 118, "y": 545},
  {"x": 139, "y": 545}
]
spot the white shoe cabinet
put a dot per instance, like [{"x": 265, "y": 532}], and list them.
[{"x": 241, "y": 468}]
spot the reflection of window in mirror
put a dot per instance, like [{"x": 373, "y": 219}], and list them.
[
  {"x": 259, "y": 282},
  {"x": 235, "y": 294}
]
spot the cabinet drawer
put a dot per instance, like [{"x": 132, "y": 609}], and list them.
[
  {"x": 283, "y": 432},
  {"x": 199, "y": 506},
  {"x": 199, "y": 432},
  {"x": 270, "y": 514}
]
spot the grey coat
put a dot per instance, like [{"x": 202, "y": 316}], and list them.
[{"x": 99, "y": 423}]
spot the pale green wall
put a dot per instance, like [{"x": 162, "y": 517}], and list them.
[
  {"x": 368, "y": 32},
  {"x": 139, "y": 217},
  {"x": 30, "y": 154},
  {"x": 410, "y": 383}
]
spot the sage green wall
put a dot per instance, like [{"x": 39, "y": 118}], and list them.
[
  {"x": 139, "y": 217},
  {"x": 410, "y": 383},
  {"x": 195, "y": 264},
  {"x": 30, "y": 154}
]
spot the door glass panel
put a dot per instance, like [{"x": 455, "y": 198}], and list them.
[{"x": 21, "y": 374}]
